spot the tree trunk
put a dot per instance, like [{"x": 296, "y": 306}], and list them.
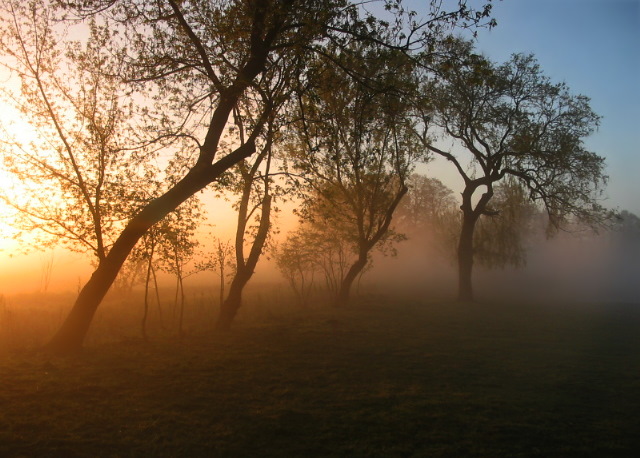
[
  {"x": 470, "y": 217},
  {"x": 232, "y": 304},
  {"x": 244, "y": 271},
  {"x": 465, "y": 258},
  {"x": 155, "y": 286},
  {"x": 146, "y": 298},
  {"x": 344, "y": 292}
]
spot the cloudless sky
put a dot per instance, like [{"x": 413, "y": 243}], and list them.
[{"x": 593, "y": 46}]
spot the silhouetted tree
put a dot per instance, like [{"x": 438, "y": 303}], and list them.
[
  {"x": 169, "y": 245},
  {"x": 255, "y": 202},
  {"x": 355, "y": 147},
  {"x": 198, "y": 60},
  {"x": 219, "y": 260},
  {"x": 514, "y": 122}
]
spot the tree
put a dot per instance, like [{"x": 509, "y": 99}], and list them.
[
  {"x": 219, "y": 260},
  {"x": 296, "y": 259},
  {"x": 500, "y": 239},
  {"x": 78, "y": 180},
  {"x": 513, "y": 122},
  {"x": 257, "y": 186},
  {"x": 198, "y": 60},
  {"x": 430, "y": 211},
  {"x": 356, "y": 148},
  {"x": 169, "y": 245}
]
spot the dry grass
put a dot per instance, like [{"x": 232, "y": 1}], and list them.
[{"x": 382, "y": 378}]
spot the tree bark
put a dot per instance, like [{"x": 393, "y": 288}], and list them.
[{"x": 470, "y": 216}]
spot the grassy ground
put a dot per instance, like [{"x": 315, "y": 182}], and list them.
[{"x": 382, "y": 378}]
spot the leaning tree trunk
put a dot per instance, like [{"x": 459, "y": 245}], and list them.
[{"x": 73, "y": 331}]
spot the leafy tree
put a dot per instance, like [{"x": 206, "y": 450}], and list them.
[
  {"x": 197, "y": 60},
  {"x": 78, "y": 179},
  {"x": 356, "y": 148},
  {"x": 511, "y": 121},
  {"x": 170, "y": 245},
  {"x": 219, "y": 260},
  {"x": 319, "y": 245},
  {"x": 500, "y": 240}
]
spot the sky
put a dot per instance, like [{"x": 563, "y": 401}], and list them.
[{"x": 594, "y": 47}]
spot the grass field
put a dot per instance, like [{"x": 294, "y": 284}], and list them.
[{"x": 385, "y": 378}]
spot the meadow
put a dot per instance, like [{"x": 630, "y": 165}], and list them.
[{"x": 389, "y": 376}]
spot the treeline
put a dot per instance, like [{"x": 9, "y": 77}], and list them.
[{"x": 139, "y": 107}]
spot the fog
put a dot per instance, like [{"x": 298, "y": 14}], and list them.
[
  {"x": 581, "y": 266},
  {"x": 569, "y": 267}
]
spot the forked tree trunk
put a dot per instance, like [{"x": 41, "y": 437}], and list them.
[
  {"x": 232, "y": 304},
  {"x": 470, "y": 216}
]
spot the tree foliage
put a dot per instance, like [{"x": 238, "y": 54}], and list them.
[
  {"x": 194, "y": 62},
  {"x": 79, "y": 176},
  {"x": 356, "y": 149},
  {"x": 511, "y": 121}
]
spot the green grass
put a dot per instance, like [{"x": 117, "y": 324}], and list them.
[{"x": 382, "y": 378}]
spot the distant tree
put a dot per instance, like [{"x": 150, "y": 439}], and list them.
[
  {"x": 500, "y": 240},
  {"x": 627, "y": 226},
  {"x": 178, "y": 248},
  {"x": 296, "y": 259},
  {"x": 512, "y": 122},
  {"x": 218, "y": 260},
  {"x": 169, "y": 245},
  {"x": 320, "y": 245},
  {"x": 430, "y": 210},
  {"x": 355, "y": 148}
]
